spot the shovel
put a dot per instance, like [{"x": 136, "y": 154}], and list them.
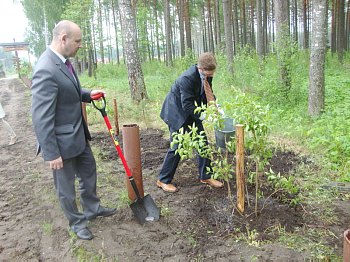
[{"x": 143, "y": 208}]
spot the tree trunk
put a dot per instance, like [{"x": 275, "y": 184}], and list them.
[
  {"x": 283, "y": 43},
  {"x": 114, "y": 11},
  {"x": 334, "y": 27},
  {"x": 317, "y": 58},
  {"x": 204, "y": 30},
  {"x": 157, "y": 28},
  {"x": 108, "y": 31},
  {"x": 187, "y": 24},
  {"x": 226, "y": 6},
  {"x": 217, "y": 25},
  {"x": 341, "y": 30},
  {"x": 234, "y": 15},
  {"x": 252, "y": 33},
  {"x": 272, "y": 24},
  {"x": 295, "y": 21},
  {"x": 180, "y": 8},
  {"x": 260, "y": 47},
  {"x": 210, "y": 28},
  {"x": 135, "y": 75},
  {"x": 243, "y": 23},
  {"x": 265, "y": 26},
  {"x": 100, "y": 33},
  {"x": 168, "y": 60},
  {"x": 306, "y": 23}
]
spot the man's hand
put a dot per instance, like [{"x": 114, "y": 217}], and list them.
[
  {"x": 220, "y": 110},
  {"x": 56, "y": 163},
  {"x": 97, "y": 91},
  {"x": 202, "y": 116}
]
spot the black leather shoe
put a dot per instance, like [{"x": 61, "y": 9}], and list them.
[
  {"x": 84, "y": 234},
  {"x": 106, "y": 212}
]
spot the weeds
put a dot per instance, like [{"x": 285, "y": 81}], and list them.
[{"x": 47, "y": 228}]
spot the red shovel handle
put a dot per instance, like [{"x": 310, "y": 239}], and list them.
[
  {"x": 102, "y": 107},
  {"x": 97, "y": 96}
]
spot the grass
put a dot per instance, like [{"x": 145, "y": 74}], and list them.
[
  {"x": 47, "y": 228},
  {"x": 311, "y": 242}
]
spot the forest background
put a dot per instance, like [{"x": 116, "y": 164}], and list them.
[{"x": 291, "y": 55}]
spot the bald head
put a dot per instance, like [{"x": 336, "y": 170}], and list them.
[
  {"x": 67, "y": 38},
  {"x": 64, "y": 27}
]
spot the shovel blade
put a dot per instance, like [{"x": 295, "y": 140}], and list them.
[{"x": 145, "y": 209}]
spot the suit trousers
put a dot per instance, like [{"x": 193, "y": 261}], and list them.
[
  {"x": 172, "y": 159},
  {"x": 83, "y": 167}
]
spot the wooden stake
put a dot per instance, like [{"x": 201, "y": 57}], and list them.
[
  {"x": 240, "y": 180},
  {"x": 116, "y": 123}
]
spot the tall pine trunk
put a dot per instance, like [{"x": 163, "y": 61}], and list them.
[
  {"x": 317, "y": 58},
  {"x": 132, "y": 60},
  {"x": 228, "y": 32}
]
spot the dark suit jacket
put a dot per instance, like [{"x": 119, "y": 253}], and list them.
[
  {"x": 179, "y": 103},
  {"x": 56, "y": 109}
]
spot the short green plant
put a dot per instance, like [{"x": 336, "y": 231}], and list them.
[
  {"x": 281, "y": 182},
  {"x": 285, "y": 184},
  {"x": 166, "y": 212},
  {"x": 47, "y": 227},
  {"x": 123, "y": 198},
  {"x": 190, "y": 141},
  {"x": 250, "y": 237}
]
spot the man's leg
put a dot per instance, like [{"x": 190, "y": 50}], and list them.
[
  {"x": 86, "y": 173},
  {"x": 170, "y": 163},
  {"x": 64, "y": 180},
  {"x": 203, "y": 163}
]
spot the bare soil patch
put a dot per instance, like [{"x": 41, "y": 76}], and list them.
[{"x": 197, "y": 223}]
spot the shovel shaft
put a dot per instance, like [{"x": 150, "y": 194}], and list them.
[{"x": 117, "y": 147}]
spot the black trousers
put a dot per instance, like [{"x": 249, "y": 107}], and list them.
[{"x": 172, "y": 160}]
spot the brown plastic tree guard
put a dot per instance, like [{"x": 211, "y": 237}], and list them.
[
  {"x": 132, "y": 153},
  {"x": 240, "y": 181},
  {"x": 346, "y": 246}
]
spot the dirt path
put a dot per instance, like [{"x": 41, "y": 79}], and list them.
[
  {"x": 194, "y": 225},
  {"x": 27, "y": 201}
]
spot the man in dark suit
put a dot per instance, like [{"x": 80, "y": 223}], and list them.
[
  {"x": 61, "y": 131},
  {"x": 178, "y": 111}
]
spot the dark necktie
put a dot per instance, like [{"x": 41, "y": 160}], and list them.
[{"x": 70, "y": 67}]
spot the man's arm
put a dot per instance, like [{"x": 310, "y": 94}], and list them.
[
  {"x": 44, "y": 99},
  {"x": 188, "y": 97}
]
